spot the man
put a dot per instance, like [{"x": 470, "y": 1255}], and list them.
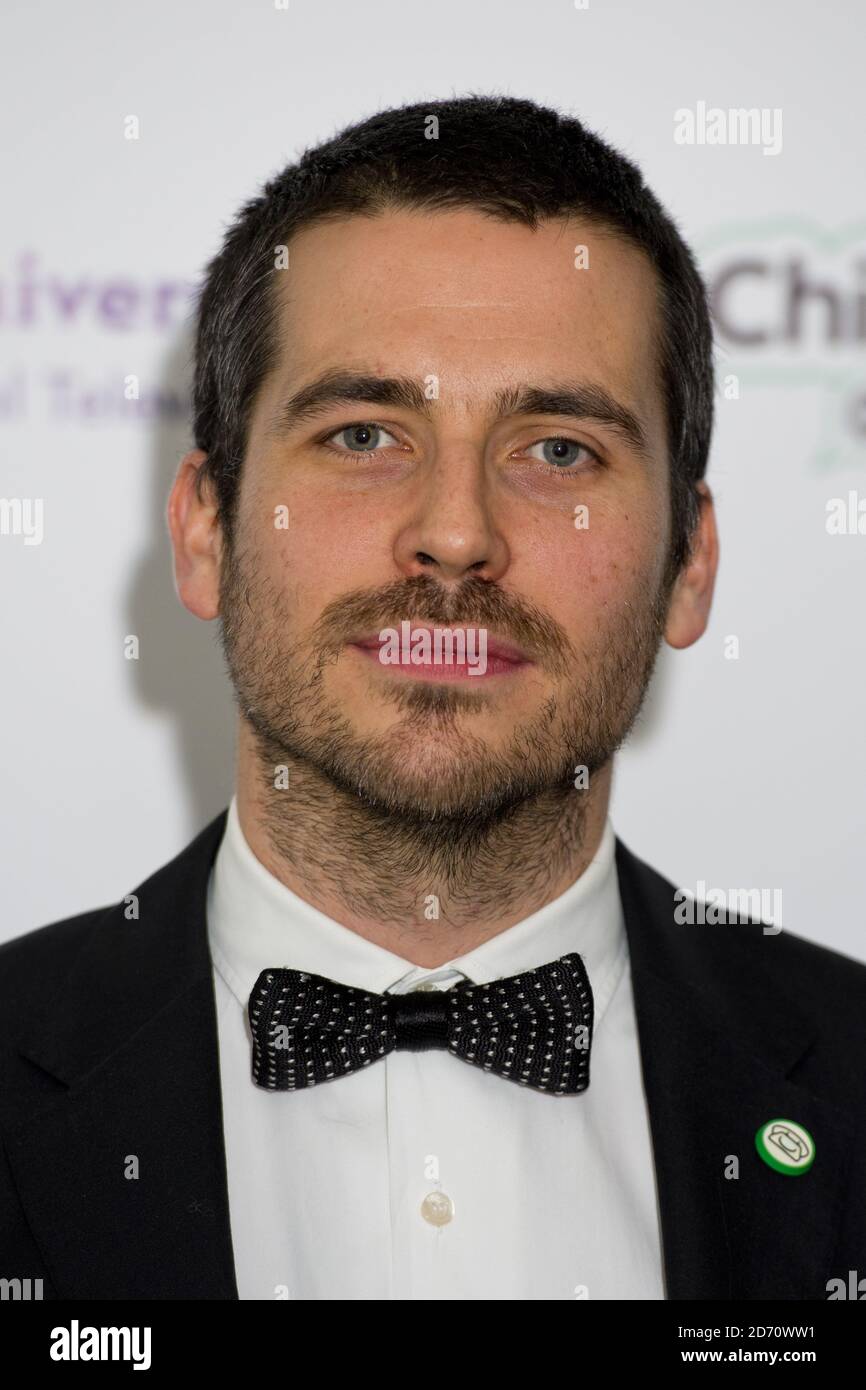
[{"x": 409, "y": 1021}]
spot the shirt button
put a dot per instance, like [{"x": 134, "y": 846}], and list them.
[{"x": 437, "y": 1208}]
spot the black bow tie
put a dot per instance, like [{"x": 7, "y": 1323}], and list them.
[{"x": 534, "y": 1028}]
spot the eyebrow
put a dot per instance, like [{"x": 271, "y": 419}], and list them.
[{"x": 579, "y": 400}]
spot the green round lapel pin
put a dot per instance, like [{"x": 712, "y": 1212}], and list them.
[{"x": 786, "y": 1146}]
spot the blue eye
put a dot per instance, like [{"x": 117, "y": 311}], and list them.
[
  {"x": 363, "y": 438},
  {"x": 559, "y": 452}
]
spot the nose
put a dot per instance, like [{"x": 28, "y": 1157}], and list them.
[{"x": 452, "y": 532}]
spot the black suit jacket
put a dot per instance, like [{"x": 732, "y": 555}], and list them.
[{"x": 108, "y": 1048}]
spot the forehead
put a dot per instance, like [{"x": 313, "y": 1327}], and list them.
[{"x": 475, "y": 301}]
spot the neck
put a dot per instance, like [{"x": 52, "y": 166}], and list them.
[{"x": 425, "y": 898}]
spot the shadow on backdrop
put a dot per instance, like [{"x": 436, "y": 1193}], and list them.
[{"x": 181, "y": 674}]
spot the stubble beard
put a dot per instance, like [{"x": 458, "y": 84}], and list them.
[{"x": 428, "y": 798}]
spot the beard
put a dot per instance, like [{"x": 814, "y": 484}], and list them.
[{"x": 429, "y": 780}]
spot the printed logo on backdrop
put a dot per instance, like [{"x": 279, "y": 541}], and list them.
[
  {"x": 789, "y": 306},
  {"x": 87, "y": 348}
]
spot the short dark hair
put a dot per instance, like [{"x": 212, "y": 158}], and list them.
[{"x": 504, "y": 156}]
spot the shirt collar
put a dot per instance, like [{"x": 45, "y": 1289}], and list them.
[{"x": 255, "y": 922}]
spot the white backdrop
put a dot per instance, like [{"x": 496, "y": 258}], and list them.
[{"x": 745, "y": 772}]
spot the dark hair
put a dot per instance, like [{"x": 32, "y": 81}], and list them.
[{"x": 504, "y": 156}]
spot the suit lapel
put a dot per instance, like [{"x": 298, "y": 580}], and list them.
[
  {"x": 132, "y": 1042},
  {"x": 719, "y": 1042}
]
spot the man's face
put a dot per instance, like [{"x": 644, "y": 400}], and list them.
[{"x": 458, "y": 509}]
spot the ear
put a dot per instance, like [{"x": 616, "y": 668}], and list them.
[
  {"x": 692, "y": 595},
  {"x": 196, "y": 538}
]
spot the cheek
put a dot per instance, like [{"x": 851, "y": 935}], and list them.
[
  {"x": 585, "y": 577},
  {"x": 321, "y": 550}
]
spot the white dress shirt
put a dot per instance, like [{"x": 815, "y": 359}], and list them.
[{"x": 422, "y": 1176}]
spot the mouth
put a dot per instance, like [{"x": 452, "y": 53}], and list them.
[{"x": 453, "y": 651}]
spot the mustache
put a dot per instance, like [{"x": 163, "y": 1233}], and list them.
[{"x": 474, "y": 602}]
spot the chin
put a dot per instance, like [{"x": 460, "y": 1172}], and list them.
[
  {"x": 426, "y": 803},
  {"x": 423, "y": 779}
]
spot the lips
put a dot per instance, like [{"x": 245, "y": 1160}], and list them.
[
  {"x": 453, "y": 651},
  {"x": 497, "y": 649}
]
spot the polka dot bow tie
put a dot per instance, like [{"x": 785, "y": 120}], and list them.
[{"x": 534, "y": 1028}]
